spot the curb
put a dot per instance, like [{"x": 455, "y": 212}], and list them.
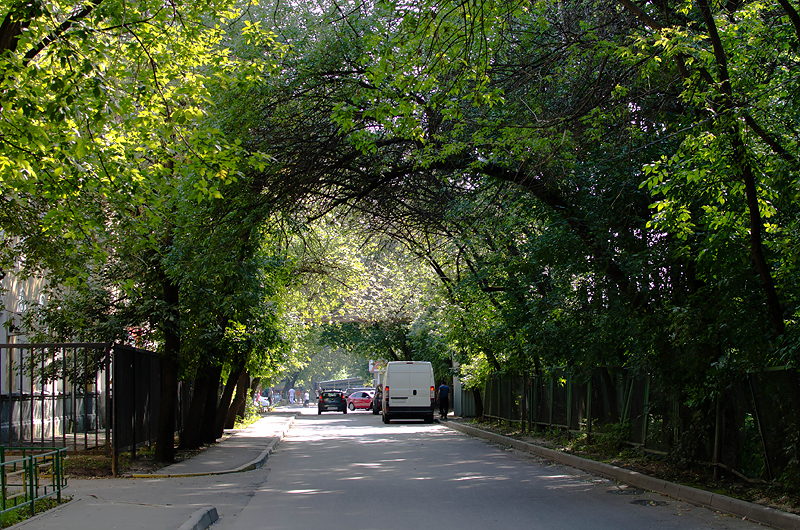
[
  {"x": 201, "y": 519},
  {"x": 746, "y": 510},
  {"x": 255, "y": 464}
]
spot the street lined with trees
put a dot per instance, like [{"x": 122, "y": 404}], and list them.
[{"x": 493, "y": 186}]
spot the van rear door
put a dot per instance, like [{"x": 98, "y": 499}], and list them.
[{"x": 400, "y": 387}]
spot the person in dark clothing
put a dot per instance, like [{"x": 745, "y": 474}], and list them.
[{"x": 444, "y": 400}]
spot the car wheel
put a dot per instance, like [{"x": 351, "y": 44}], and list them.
[
  {"x": 344, "y": 410},
  {"x": 319, "y": 411},
  {"x": 385, "y": 418},
  {"x": 429, "y": 418},
  {"x": 374, "y": 409},
  {"x": 351, "y": 406}
]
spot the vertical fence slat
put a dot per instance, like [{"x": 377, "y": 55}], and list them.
[{"x": 63, "y": 398}]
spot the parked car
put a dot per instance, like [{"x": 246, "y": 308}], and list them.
[
  {"x": 332, "y": 400},
  {"x": 360, "y": 400},
  {"x": 349, "y": 391}
]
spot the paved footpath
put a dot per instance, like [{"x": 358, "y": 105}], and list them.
[{"x": 186, "y": 495}]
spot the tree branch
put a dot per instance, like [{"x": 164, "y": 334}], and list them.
[{"x": 64, "y": 26}]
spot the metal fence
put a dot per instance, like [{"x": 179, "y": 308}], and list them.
[
  {"x": 137, "y": 399},
  {"x": 745, "y": 429},
  {"x": 54, "y": 394},
  {"x": 29, "y": 475},
  {"x": 82, "y": 396}
]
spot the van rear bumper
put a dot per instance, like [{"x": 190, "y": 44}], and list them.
[{"x": 409, "y": 412}]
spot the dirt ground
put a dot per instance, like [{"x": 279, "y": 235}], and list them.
[{"x": 95, "y": 464}]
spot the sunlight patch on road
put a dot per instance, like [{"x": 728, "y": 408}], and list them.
[{"x": 478, "y": 477}]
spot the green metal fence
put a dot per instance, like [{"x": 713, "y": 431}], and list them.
[{"x": 28, "y": 475}]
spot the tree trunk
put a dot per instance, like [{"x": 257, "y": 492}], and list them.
[
  {"x": 208, "y": 430},
  {"x": 760, "y": 263},
  {"x": 237, "y": 407},
  {"x": 225, "y": 400},
  {"x": 290, "y": 381},
  {"x": 478, "y": 403},
  {"x": 170, "y": 325},
  {"x": 741, "y": 162}
]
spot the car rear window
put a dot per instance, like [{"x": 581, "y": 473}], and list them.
[{"x": 330, "y": 394}]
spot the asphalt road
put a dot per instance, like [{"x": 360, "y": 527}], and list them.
[{"x": 336, "y": 471}]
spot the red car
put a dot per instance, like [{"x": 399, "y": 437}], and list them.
[{"x": 360, "y": 400}]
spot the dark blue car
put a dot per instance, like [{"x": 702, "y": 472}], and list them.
[{"x": 332, "y": 400}]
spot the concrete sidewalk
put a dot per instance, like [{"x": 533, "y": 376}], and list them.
[{"x": 182, "y": 496}]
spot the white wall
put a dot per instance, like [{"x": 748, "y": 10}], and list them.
[{"x": 17, "y": 295}]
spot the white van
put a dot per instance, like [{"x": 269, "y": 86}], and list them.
[{"x": 409, "y": 391}]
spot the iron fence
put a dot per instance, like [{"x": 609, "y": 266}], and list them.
[
  {"x": 745, "y": 428},
  {"x": 82, "y": 396},
  {"x": 54, "y": 394}
]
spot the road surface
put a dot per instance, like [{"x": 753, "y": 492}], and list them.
[{"x": 337, "y": 471}]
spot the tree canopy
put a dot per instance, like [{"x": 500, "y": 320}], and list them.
[{"x": 500, "y": 186}]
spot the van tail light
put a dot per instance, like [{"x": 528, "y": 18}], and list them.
[
  {"x": 433, "y": 394},
  {"x": 386, "y": 391}
]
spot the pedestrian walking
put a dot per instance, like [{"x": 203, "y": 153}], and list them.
[
  {"x": 291, "y": 396},
  {"x": 444, "y": 400},
  {"x": 305, "y": 399}
]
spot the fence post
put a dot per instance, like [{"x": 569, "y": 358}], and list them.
[
  {"x": 646, "y": 413},
  {"x": 767, "y": 464},
  {"x": 628, "y": 388},
  {"x": 109, "y": 412},
  {"x": 31, "y": 485},
  {"x": 510, "y": 399},
  {"x": 717, "y": 437},
  {"x": 58, "y": 471},
  {"x": 32, "y": 432},
  {"x": 569, "y": 406},
  {"x": 3, "y": 473},
  {"x": 524, "y": 404},
  {"x": 589, "y": 409},
  {"x": 65, "y": 422}
]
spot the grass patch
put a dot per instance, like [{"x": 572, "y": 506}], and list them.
[{"x": 23, "y": 513}]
